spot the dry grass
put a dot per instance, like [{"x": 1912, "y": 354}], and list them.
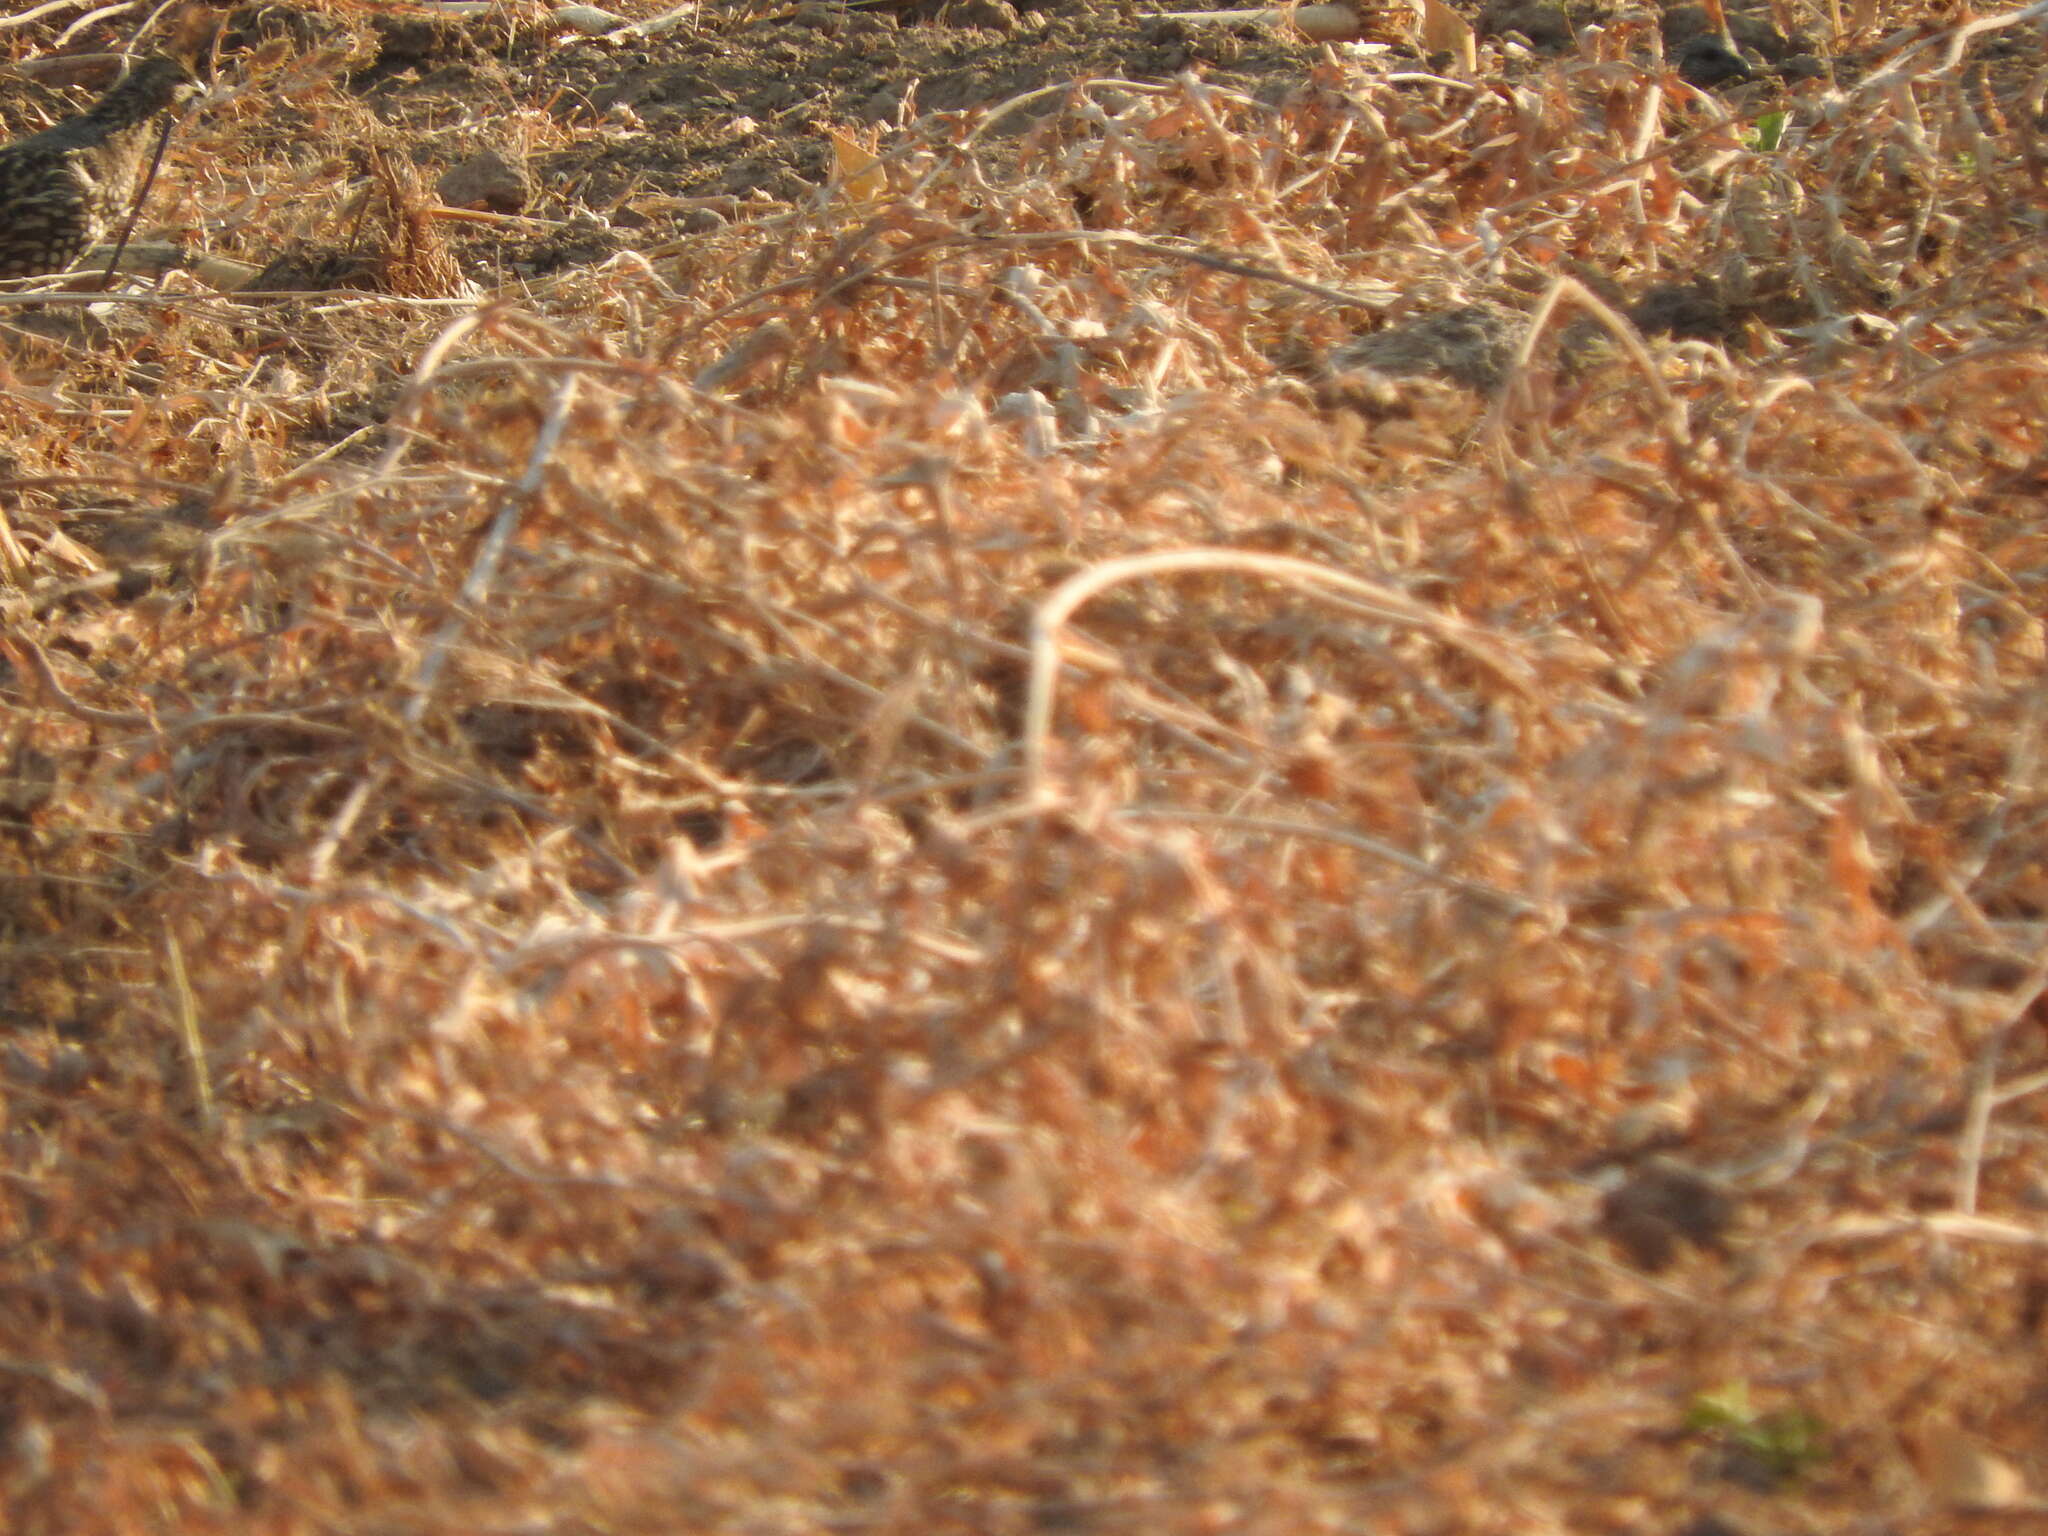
[{"x": 566, "y": 973}]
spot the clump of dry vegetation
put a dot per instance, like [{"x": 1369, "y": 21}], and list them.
[{"x": 1289, "y": 807}]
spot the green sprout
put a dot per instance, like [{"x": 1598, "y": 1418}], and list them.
[
  {"x": 1770, "y": 132},
  {"x": 1784, "y": 1443}
]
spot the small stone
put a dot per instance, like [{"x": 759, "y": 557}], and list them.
[
  {"x": 1685, "y": 310},
  {"x": 1545, "y": 25},
  {"x": 30, "y": 784},
  {"x": 317, "y": 271},
  {"x": 1472, "y": 344},
  {"x": 1707, "y": 62},
  {"x": 590, "y": 20},
  {"x": 1753, "y": 37},
  {"x": 487, "y": 179},
  {"x": 991, "y": 15},
  {"x": 1662, "y": 1204}
]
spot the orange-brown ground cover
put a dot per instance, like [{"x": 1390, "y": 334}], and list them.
[{"x": 584, "y": 953}]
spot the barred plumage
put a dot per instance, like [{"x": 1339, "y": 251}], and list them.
[{"x": 60, "y": 189}]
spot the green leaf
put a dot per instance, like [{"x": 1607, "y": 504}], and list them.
[
  {"x": 1727, "y": 1408},
  {"x": 1786, "y": 1441}
]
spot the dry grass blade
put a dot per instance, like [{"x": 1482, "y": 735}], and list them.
[{"x": 1378, "y": 601}]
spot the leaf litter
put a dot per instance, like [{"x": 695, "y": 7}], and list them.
[{"x": 1281, "y": 791}]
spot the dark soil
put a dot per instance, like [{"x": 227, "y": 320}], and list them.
[
  {"x": 673, "y": 134},
  {"x": 694, "y": 118}
]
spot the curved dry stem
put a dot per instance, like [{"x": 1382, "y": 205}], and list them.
[{"x": 1373, "y": 597}]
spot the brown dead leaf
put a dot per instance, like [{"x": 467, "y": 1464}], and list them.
[
  {"x": 1963, "y": 1474},
  {"x": 856, "y": 168},
  {"x": 1445, "y": 31}
]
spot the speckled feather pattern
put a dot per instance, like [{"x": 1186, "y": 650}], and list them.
[{"x": 60, "y": 189}]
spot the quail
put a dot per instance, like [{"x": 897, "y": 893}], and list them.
[{"x": 61, "y": 189}]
